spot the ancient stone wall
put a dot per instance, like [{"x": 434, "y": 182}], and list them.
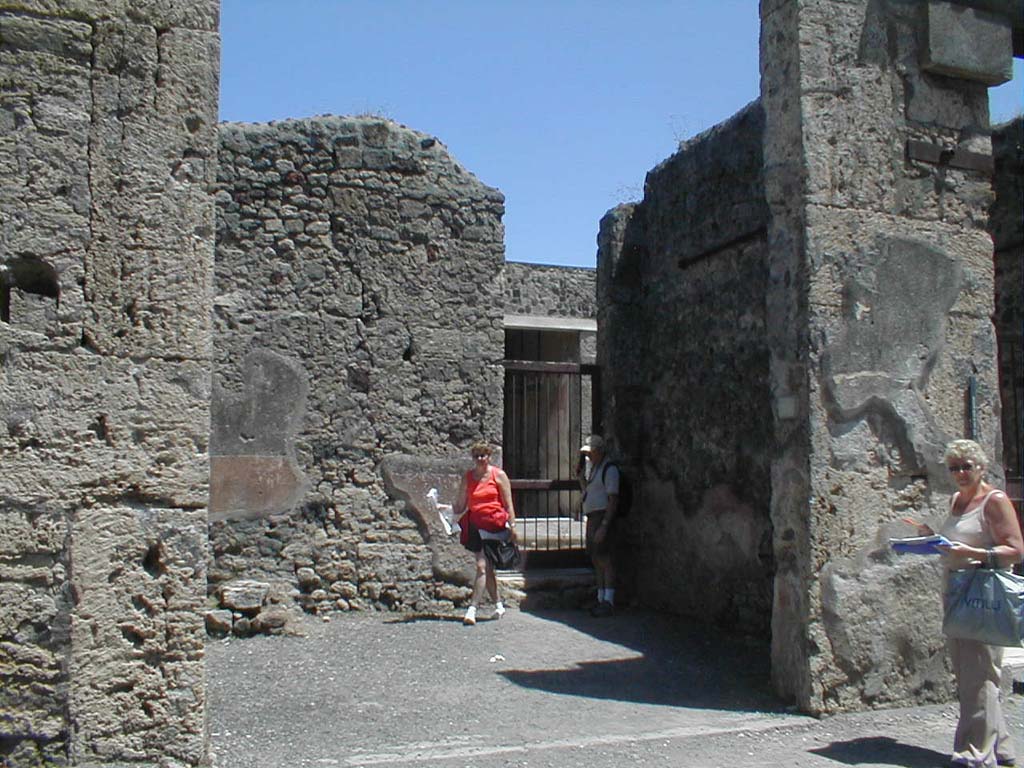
[
  {"x": 1007, "y": 228},
  {"x": 107, "y": 149},
  {"x": 682, "y": 279},
  {"x": 537, "y": 296},
  {"x": 880, "y": 294},
  {"x": 549, "y": 291},
  {"x": 358, "y": 321}
]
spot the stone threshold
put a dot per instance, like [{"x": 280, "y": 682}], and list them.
[{"x": 547, "y": 587}]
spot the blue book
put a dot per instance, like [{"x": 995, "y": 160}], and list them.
[{"x": 919, "y": 545}]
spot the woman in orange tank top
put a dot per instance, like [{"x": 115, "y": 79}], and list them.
[{"x": 485, "y": 510}]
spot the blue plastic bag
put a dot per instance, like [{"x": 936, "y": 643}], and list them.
[{"x": 985, "y": 605}]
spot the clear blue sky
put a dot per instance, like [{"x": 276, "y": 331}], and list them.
[{"x": 564, "y": 105}]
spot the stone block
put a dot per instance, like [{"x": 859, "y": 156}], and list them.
[
  {"x": 152, "y": 252},
  {"x": 134, "y": 428},
  {"x": 884, "y": 661},
  {"x": 243, "y": 627},
  {"x": 218, "y": 622},
  {"x": 140, "y": 581},
  {"x": 246, "y": 487},
  {"x": 274, "y": 620},
  {"x": 968, "y": 43},
  {"x": 307, "y": 579},
  {"x": 245, "y": 595}
]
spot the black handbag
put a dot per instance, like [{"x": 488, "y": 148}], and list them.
[{"x": 503, "y": 555}]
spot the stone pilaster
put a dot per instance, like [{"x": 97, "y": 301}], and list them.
[
  {"x": 109, "y": 116},
  {"x": 878, "y": 177}
]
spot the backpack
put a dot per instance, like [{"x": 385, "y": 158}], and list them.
[{"x": 625, "y": 489}]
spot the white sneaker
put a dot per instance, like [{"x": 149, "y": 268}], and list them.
[
  {"x": 499, "y": 610},
  {"x": 470, "y": 618}
]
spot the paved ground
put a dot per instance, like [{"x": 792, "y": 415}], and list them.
[{"x": 555, "y": 689}]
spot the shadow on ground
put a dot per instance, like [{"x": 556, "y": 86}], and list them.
[
  {"x": 672, "y": 664},
  {"x": 881, "y": 750}
]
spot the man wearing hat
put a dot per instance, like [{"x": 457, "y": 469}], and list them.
[{"x": 599, "y": 480}]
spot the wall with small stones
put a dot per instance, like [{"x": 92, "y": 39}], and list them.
[
  {"x": 681, "y": 285},
  {"x": 1006, "y": 224},
  {"x": 107, "y": 149},
  {"x": 549, "y": 291},
  {"x": 358, "y": 319}
]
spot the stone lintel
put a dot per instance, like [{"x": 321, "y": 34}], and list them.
[{"x": 547, "y": 323}]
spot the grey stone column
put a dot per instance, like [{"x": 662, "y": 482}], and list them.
[
  {"x": 878, "y": 176},
  {"x": 108, "y": 151}
]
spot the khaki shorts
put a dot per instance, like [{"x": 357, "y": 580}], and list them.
[{"x": 594, "y": 520}]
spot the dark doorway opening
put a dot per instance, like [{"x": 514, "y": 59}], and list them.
[{"x": 551, "y": 404}]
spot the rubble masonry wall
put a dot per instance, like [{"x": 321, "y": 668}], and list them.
[
  {"x": 358, "y": 326},
  {"x": 107, "y": 149},
  {"x": 1007, "y": 228},
  {"x": 549, "y": 291},
  {"x": 681, "y": 286}
]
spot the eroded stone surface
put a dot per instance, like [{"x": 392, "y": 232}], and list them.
[
  {"x": 878, "y": 311},
  {"x": 107, "y": 150}
]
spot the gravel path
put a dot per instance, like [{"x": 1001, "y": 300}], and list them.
[{"x": 554, "y": 689}]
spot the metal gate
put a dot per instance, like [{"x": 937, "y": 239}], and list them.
[{"x": 549, "y": 408}]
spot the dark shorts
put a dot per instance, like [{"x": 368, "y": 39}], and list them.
[{"x": 594, "y": 520}]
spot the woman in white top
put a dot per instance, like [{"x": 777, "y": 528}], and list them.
[{"x": 983, "y": 527}]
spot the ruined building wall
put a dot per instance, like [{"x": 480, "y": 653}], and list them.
[
  {"x": 107, "y": 148},
  {"x": 358, "y": 320},
  {"x": 550, "y": 291},
  {"x": 1006, "y": 224},
  {"x": 878, "y": 176},
  {"x": 681, "y": 285}
]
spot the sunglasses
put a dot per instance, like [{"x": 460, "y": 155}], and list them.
[{"x": 954, "y": 468}]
